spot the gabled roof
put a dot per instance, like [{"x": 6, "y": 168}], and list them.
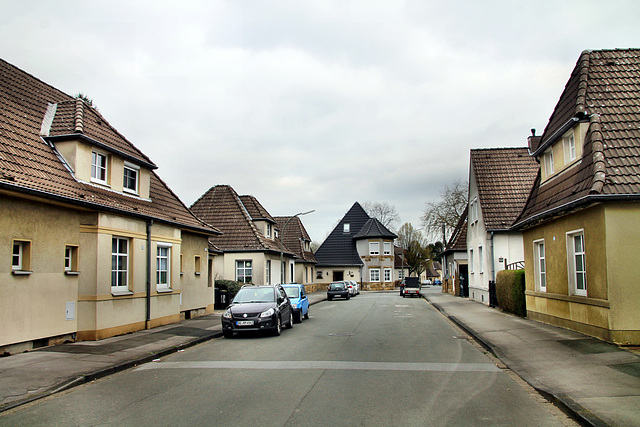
[
  {"x": 294, "y": 236},
  {"x": 504, "y": 177},
  {"x": 603, "y": 91},
  {"x": 339, "y": 248},
  {"x": 29, "y": 163},
  {"x": 458, "y": 240},
  {"x": 256, "y": 210},
  {"x": 374, "y": 228},
  {"x": 222, "y": 207}
]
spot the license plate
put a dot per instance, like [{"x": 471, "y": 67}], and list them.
[{"x": 244, "y": 322}]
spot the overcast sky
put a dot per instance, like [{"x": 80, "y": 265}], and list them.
[{"x": 315, "y": 104}]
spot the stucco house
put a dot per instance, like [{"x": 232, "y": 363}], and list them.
[
  {"x": 250, "y": 247},
  {"x": 359, "y": 248},
  {"x": 93, "y": 242},
  {"x": 581, "y": 223},
  {"x": 455, "y": 266},
  {"x": 500, "y": 180},
  {"x": 295, "y": 237}
]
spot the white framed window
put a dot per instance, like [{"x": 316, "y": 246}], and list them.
[
  {"x": 70, "y": 258},
  {"x": 473, "y": 211},
  {"x": 540, "y": 265},
  {"x": 268, "y": 272},
  {"x": 481, "y": 259},
  {"x": 21, "y": 256},
  {"x": 401, "y": 274},
  {"x": 569, "y": 147},
  {"x": 548, "y": 162},
  {"x": 374, "y": 248},
  {"x": 268, "y": 230},
  {"x": 244, "y": 271},
  {"x": 346, "y": 227},
  {"x": 130, "y": 179},
  {"x": 471, "y": 260},
  {"x": 387, "y": 248},
  {"x": 163, "y": 265},
  {"x": 374, "y": 275},
  {"x": 387, "y": 275},
  {"x": 576, "y": 261},
  {"x": 99, "y": 167},
  {"x": 119, "y": 264}
]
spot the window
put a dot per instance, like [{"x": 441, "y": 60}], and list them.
[
  {"x": 21, "y": 256},
  {"x": 401, "y": 274},
  {"x": 244, "y": 272},
  {"x": 119, "y": 263},
  {"x": 480, "y": 259},
  {"x": 70, "y": 259},
  {"x": 387, "y": 248},
  {"x": 197, "y": 262},
  {"x": 569, "y": 148},
  {"x": 548, "y": 162},
  {"x": 374, "y": 248},
  {"x": 374, "y": 275},
  {"x": 130, "y": 182},
  {"x": 471, "y": 260},
  {"x": 269, "y": 230},
  {"x": 387, "y": 274},
  {"x": 268, "y": 272},
  {"x": 540, "y": 272},
  {"x": 473, "y": 211},
  {"x": 98, "y": 167},
  {"x": 576, "y": 262},
  {"x": 163, "y": 266},
  {"x": 346, "y": 227}
]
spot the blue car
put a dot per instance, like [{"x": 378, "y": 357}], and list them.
[{"x": 299, "y": 301}]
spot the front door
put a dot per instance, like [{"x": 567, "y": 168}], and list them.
[
  {"x": 464, "y": 281},
  {"x": 338, "y": 276}
]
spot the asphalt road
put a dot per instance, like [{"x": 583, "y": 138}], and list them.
[{"x": 377, "y": 359}]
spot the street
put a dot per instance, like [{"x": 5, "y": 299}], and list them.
[{"x": 377, "y": 359}]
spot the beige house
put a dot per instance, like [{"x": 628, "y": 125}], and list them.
[
  {"x": 581, "y": 223},
  {"x": 94, "y": 243},
  {"x": 250, "y": 245},
  {"x": 296, "y": 238}
]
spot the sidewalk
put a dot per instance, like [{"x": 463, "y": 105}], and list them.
[
  {"x": 595, "y": 382},
  {"x": 39, "y": 373}
]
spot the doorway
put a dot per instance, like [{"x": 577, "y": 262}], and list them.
[{"x": 338, "y": 276}]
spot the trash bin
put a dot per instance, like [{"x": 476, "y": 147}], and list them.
[{"x": 220, "y": 299}]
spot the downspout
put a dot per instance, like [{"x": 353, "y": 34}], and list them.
[
  {"x": 493, "y": 264},
  {"x": 148, "y": 297}
]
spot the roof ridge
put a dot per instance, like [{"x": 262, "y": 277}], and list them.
[
  {"x": 79, "y": 116},
  {"x": 583, "y": 79},
  {"x": 597, "y": 149}
]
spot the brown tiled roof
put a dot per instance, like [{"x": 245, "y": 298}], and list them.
[
  {"x": 255, "y": 209},
  {"x": 603, "y": 90},
  {"x": 504, "y": 177},
  {"x": 458, "y": 241},
  {"x": 294, "y": 237},
  {"x": 30, "y": 165},
  {"x": 222, "y": 207}
]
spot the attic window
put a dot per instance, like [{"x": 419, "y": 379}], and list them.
[
  {"x": 346, "y": 227},
  {"x": 98, "y": 167},
  {"x": 130, "y": 180}
]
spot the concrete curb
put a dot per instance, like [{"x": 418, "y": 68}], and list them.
[{"x": 567, "y": 405}]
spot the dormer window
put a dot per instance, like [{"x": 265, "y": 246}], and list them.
[
  {"x": 569, "y": 148},
  {"x": 548, "y": 162},
  {"x": 98, "y": 167},
  {"x": 130, "y": 180},
  {"x": 346, "y": 227},
  {"x": 268, "y": 230}
]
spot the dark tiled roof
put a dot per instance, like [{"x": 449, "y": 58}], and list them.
[
  {"x": 339, "y": 248},
  {"x": 223, "y": 208},
  {"x": 603, "y": 90},
  {"x": 294, "y": 237},
  {"x": 28, "y": 164},
  {"x": 458, "y": 241},
  {"x": 504, "y": 177},
  {"x": 256, "y": 210},
  {"x": 374, "y": 228}
]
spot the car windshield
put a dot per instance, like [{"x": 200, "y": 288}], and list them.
[
  {"x": 247, "y": 295},
  {"x": 292, "y": 292},
  {"x": 337, "y": 286}
]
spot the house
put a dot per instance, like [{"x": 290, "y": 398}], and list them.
[
  {"x": 359, "y": 248},
  {"x": 499, "y": 182},
  {"x": 94, "y": 243},
  {"x": 581, "y": 222},
  {"x": 250, "y": 247},
  {"x": 296, "y": 238},
  {"x": 455, "y": 274},
  {"x": 400, "y": 263}
]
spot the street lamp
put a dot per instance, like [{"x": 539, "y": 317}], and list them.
[{"x": 282, "y": 242}]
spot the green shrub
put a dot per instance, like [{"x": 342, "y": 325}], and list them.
[
  {"x": 231, "y": 286},
  {"x": 510, "y": 288}
]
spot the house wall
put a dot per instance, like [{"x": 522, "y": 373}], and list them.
[
  {"x": 479, "y": 272},
  {"x": 506, "y": 246},
  {"x": 305, "y": 273},
  {"x": 195, "y": 287},
  {"x": 557, "y": 306},
  {"x": 380, "y": 262},
  {"x": 349, "y": 272},
  {"x": 34, "y": 306}
]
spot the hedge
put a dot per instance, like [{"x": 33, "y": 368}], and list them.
[
  {"x": 510, "y": 288},
  {"x": 231, "y": 286}
]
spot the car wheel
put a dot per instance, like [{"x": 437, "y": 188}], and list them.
[
  {"x": 227, "y": 334},
  {"x": 298, "y": 317},
  {"x": 278, "y": 329},
  {"x": 348, "y": 296},
  {"x": 306, "y": 316},
  {"x": 289, "y": 324},
  {"x": 329, "y": 298}
]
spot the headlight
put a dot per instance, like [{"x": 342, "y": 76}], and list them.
[
  {"x": 227, "y": 314},
  {"x": 267, "y": 313},
  {"x": 294, "y": 305}
]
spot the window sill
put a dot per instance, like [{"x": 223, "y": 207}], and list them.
[
  {"x": 198, "y": 273},
  {"x": 21, "y": 272},
  {"x": 71, "y": 273},
  {"x": 121, "y": 293},
  {"x": 164, "y": 290},
  {"x": 570, "y": 298}
]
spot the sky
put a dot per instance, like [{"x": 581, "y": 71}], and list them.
[{"x": 314, "y": 105}]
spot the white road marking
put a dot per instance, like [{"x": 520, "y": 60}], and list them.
[{"x": 327, "y": 365}]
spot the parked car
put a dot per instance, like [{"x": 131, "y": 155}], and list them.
[
  {"x": 356, "y": 286},
  {"x": 410, "y": 286},
  {"x": 426, "y": 282},
  {"x": 299, "y": 301},
  {"x": 338, "y": 290},
  {"x": 258, "y": 308},
  {"x": 437, "y": 282},
  {"x": 353, "y": 287}
]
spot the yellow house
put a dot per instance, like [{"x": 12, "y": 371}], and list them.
[
  {"x": 581, "y": 223},
  {"x": 92, "y": 242}
]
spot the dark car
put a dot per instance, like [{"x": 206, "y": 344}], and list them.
[
  {"x": 410, "y": 286},
  {"x": 338, "y": 290},
  {"x": 258, "y": 308}
]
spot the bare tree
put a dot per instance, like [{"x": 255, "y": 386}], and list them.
[
  {"x": 447, "y": 211},
  {"x": 407, "y": 234},
  {"x": 383, "y": 212}
]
